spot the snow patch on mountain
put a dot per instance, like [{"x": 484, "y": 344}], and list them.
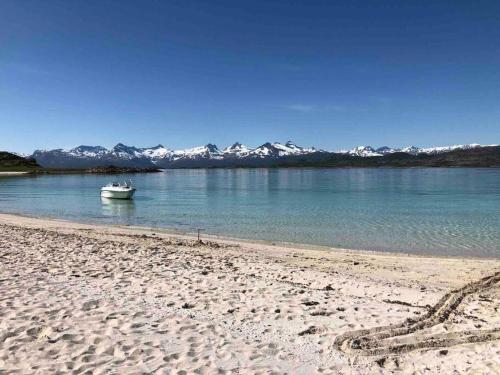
[{"x": 21, "y": 154}]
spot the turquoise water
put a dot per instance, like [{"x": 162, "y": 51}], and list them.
[{"x": 439, "y": 211}]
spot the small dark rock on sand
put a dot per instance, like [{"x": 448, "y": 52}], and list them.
[{"x": 311, "y": 331}]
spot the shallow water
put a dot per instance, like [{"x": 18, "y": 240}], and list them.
[{"x": 440, "y": 211}]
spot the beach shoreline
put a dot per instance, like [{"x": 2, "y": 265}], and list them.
[
  {"x": 127, "y": 299},
  {"x": 22, "y": 218}
]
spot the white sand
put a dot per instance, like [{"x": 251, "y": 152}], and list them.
[
  {"x": 77, "y": 298},
  {"x": 12, "y": 173}
]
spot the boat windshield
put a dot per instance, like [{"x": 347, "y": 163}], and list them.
[{"x": 117, "y": 184}]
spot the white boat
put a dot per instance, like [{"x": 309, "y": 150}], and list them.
[{"x": 118, "y": 191}]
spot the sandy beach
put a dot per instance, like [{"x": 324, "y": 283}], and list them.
[{"x": 79, "y": 298}]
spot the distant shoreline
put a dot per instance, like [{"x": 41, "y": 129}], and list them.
[
  {"x": 96, "y": 170},
  {"x": 64, "y": 171}
]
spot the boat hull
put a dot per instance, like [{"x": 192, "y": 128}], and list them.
[{"x": 117, "y": 194}]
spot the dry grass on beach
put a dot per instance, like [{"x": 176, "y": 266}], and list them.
[{"x": 79, "y": 298}]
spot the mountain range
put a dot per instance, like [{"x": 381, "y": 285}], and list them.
[{"x": 236, "y": 155}]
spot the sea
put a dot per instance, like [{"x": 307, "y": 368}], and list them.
[{"x": 439, "y": 211}]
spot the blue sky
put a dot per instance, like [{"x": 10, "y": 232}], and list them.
[{"x": 185, "y": 73}]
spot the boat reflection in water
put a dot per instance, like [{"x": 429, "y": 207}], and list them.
[{"x": 117, "y": 207}]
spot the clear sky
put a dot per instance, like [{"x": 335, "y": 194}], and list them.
[{"x": 184, "y": 73}]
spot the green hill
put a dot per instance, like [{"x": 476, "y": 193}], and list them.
[{"x": 14, "y": 163}]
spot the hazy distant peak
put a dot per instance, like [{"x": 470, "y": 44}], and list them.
[
  {"x": 234, "y": 146},
  {"x": 84, "y": 148},
  {"x": 385, "y": 150},
  {"x": 211, "y": 147},
  {"x": 120, "y": 147}
]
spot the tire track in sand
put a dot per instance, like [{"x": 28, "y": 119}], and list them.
[{"x": 384, "y": 340}]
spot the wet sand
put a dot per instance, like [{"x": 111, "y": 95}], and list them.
[{"x": 77, "y": 298}]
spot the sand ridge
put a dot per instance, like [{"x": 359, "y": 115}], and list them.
[
  {"x": 373, "y": 341},
  {"x": 77, "y": 298}
]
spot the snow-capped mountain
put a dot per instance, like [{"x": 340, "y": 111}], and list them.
[
  {"x": 412, "y": 150},
  {"x": 123, "y": 151},
  {"x": 368, "y": 151},
  {"x": 93, "y": 156},
  {"x": 364, "y": 151},
  {"x": 437, "y": 150},
  {"x": 278, "y": 150},
  {"x": 88, "y": 151},
  {"x": 160, "y": 156},
  {"x": 209, "y": 151},
  {"x": 384, "y": 150},
  {"x": 209, "y": 155},
  {"x": 155, "y": 153},
  {"x": 237, "y": 150}
]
